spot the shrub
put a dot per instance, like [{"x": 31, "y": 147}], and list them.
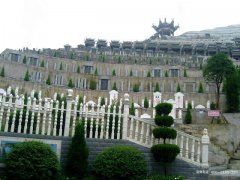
[
  {"x": 76, "y": 165},
  {"x": 70, "y": 83},
  {"x": 178, "y": 87},
  {"x": 32, "y": 160},
  {"x": 164, "y": 120},
  {"x": 159, "y": 177},
  {"x": 188, "y": 117},
  {"x": 185, "y": 73},
  {"x": 163, "y": 108},
  {"x": 93, "y": 84},
  {"x": 96, "y": 72},
  {"x": 148, "y": 74},
  {"x": 165, "y": 153},
  {"x": 213, "y": 106},
  {"x": 164, "y": 133},
  {"x": 132, "y": 109},
  {"x": 200, "y": 88},
  {"x": 120, "y": 162},
  {"x": 157, "y": 88},
  {"x": 114, "y": 86},
  {"x": 136, "y": 88},
  {"x": 146, "y": 103},
  {"x": 48, "y": 81},
  {"x": 78, "y": 69},
  {"x": 166, "y": 74},
  {"x": 26, "y": 77},
  {"x": 189, "y": 105},
  {"x": 114, "y": 73},
  {"x": 2, "y": 74}
]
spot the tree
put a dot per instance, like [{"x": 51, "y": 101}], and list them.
[
  {"x": 217, "y": 68},
  {"x": 148, "y": 74},
  {"x": 114, "y": 73},
  {"x": 131, "y": 73},
  {"x": 77, "y": 164},
  {"x": 2, "y": 74},
  {"x": 102, "y": 101},
  {"x": 166, "y": 74},
  {"x": 136, "y": 88},
  {"x": 114, "y": 86},
  {"x": 178, "y": 87},
  {"x": 146, "y": 103},
  {"x": 78, "y": 69},
  {"x": 61, "y": 66},
  {"x": 96, "y": 72},
  {"x": 26, "y": 77},
  {"x": 188, "y": 117},
  {"x": 200, "y": 88},
  {"x": 24, "y": 60},
  {"x": 70, "y": 83},
  {"x": 185, "y": 73},
  {"x": 48, "y": 81},
  {"x": 232, "y": 93},
  {"x": 42, "y": 63},
  {"x": 93, "y": 84},
  {"x": 157, "y": 88},
  {"x": 132, "y": 109},
  {"x": 164, "y": 153}
]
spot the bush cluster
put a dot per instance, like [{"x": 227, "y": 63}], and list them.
[{"x": 120, "y": 162}]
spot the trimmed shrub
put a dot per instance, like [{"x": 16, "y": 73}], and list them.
[
  {"x": 163, "y": 108},
  {"x": 120, "y": 162},
  {"x": 164, "y": 133},
  {"x": 164, "y": 120},
  {"x": 200, "y": 88},
  {"x": 32, "y": 160},
  {"x": 146, "y": 103},
  {"x": 157, "y": 88},
  {"x": 77, "y": 165},
  {"x": 26, "y": 77},
  {"x": 114, "y": 86},
  {"x": 132, "y": 109},
  {"x": 158, "y": 177},
  {"x": 2, "y": 74},
  {"x": 165, "y": 153},
  {"x": 188, "y": 117},
  {"x": 178, "y": 88}
]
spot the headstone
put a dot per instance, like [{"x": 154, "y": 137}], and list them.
[
  {"x": 9, "y": 90},
  {"x": 208, "y": 104},
  {"x": 157, "y": 98},
  {"x": 113, "y": 96},
  {"x": 179, "y": 99},
  {"x": 32, "y": 93}
]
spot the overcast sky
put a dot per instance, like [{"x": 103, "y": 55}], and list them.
[{"x": 53, "y": 23}]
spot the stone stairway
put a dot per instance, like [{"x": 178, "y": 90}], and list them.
[{"x": 234, "y": 162}]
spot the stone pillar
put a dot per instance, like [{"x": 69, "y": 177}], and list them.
[
  {"x": 68, "y": 112},
  {"x": 126, "y": 103},
  {"x": 205, "y": 142}
]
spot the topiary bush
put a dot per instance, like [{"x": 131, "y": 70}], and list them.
[
  {"x": 32, "y": 160},
  {"x": 164, "y": 153},
  {"x": 188, "y": 117},
  {"x": 120, "y": 162}
]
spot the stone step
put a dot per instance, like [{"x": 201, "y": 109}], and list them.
[
  {"x": 234, "y": 161},
  {"x": 234, "y": 166},
  {"x": 218, "y": 168}
]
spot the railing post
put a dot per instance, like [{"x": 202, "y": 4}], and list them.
[
  {"x": 125, "y": 115},
  {"x": 205, "y": 142},
  {"x": 68, "y": 112}
]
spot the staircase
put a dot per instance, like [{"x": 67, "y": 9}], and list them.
[{"x": 234, "y": 162}]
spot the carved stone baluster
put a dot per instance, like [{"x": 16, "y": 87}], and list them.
[
  {"x": 113, "y": 122},
  {"x": 21, "y": 106},
  {"x": 74, "y": 118},
  {"x": 32, "y": 117},
  {"x": 119, "y": 123},
  {"x": 38, "y": 115},
  {"x": 181, "y": 145},
  {"x": 91, "y": 121},
  {"x": 27, "y": 114},
  {"x": 2, "y": 110},
  {"x": 136, "y": 131},
  {"x": 14, "y": 113},
  {"x": 193, "y": 149},
  {"x": 186, "y": 148},
  {"x": 44, "y": 117},
  {"x": 198, "y": 152},
  {"x": 55, "y": 119},
  {"x": 102, "y": 121},
  {"x": 61, "y": 120},
  {"x": 50, "y": 118},
  {"x": 97, "y": 121},
  {"x": 8, "y": 113},
  {"x": 147, "y": 134},
  {"x": 85, "y": 107},
  {"x": 131, "y": 128},
  {"x": 108, "y": 119}
]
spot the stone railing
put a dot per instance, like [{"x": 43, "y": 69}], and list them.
[{"x": 55, "y": 118}]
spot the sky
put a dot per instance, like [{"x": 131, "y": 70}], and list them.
[{"x": 54, "y": 23}]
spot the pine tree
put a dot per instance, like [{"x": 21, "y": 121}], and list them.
[
  {"x": 26, "y": 77},
  {"x": 157, "y": 88},
  {"x": 77, "y": 164},
  {"x": 70, "y": 83},
  {"x": 185, "y": 73},
  {"x": 200, "y": 88},
  {"x": 148, "y": 74},
  {"x": 114, "y": 86},
  {"x": 166, "y": 73},
  {"x": 178, "y": 88},
  {"x": 48, "y": 81},
  {"x": 132, "y": 110},
  {"x": 93, "y": 84},
  {"x": 42, "y": 63},
  {"x": 61, "y": 66},
  {"x": 24, "y": 60},
  {"x": 146, "y": 103},
  {"x": 96, "y": 72},
  {"x": 188, "y": 117},
  {"x": 114, "y": 73},
  {"x": 131, "y": 73},
  {"x": 2, "y": 74},
  {"x": 78, "y": 69}
]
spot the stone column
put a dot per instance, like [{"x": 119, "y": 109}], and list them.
[
  {"x": 205, "y": 142},
  {"x": 126, "y": 103},
  {"x": 68, "y": 112}
]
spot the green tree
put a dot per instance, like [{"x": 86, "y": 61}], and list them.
[
  {"x": 136, "y": 88},
  {"x": 70, "y": 83},
  {"x": 132, "y": 109},
  {"x": 114, "y": 73},
  {"x": 114, "y": 86},
  {"x": 2, "y": 74},
  {"x": 178, "y": 88},
  {"x": 61, "y": 66},
  {"x": 131, "y": 73},
  {"x": 42, "y": 63},
  {"x": 26, "y": 77},
  {"x": 232, "y": 93},
  {"x": 164, "y": 153},
  {"x": 77, "y": 164},
  {"x": 148, "y": 74},
  {"x": 185, "y": 73},
  {"x": 157, "y": 88},
  {"x": 93, "y": 84},
  {"x": 102, "y": 101},
  {"x": 166, "y": 73},
  {"x": 217, "y": 68},
  {"x": 146, "y": 103},
  {"x": 200, "y": 88},
  {"x": 188, "y": 117},
  {"x": 24, "y": 60},
  {"x": 48, "y": 81},
  {"x": 78, "y": 69},
  {"x": 201, "y": 67},
  {"x": 96, "y": 72}
]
